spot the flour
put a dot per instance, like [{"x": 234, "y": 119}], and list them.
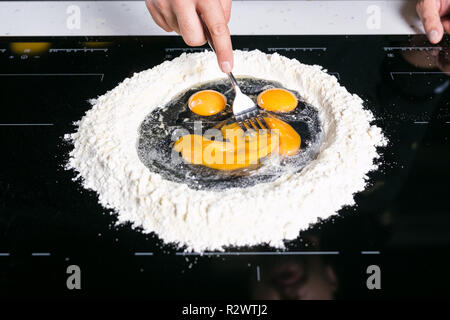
[{"x": 105, "y": 157}]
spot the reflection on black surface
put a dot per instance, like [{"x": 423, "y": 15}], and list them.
[
  {"x": 403, "y": 214},
  {"x": 306, "y": 278},
  {"x": 300, "y": 277}
]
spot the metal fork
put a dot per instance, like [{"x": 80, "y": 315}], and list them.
[{"x": 246, "y": 112}]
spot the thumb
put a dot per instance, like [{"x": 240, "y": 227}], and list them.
[{"x": 428, "y": 12}]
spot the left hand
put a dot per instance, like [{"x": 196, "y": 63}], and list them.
[{"x": 435, "y": 19}]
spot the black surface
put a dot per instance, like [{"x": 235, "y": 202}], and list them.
[{"x": 403, "y": 214}]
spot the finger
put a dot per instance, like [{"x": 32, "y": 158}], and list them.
[
  {"x": 446, "y": 24},
  {"x": 191, "y": 28},
  {"x": 171, "y": 19},
  {"x": 429, "y": 14},
  {"x": 165, "y": 9},
  {"x": 226, "y": 6},
  {"x": 444, "y": 7},
  {"x": 212, "y": 15},
  {"x": 157, "y": 17}
]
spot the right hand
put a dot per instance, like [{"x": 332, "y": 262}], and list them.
[
  {"x": 183, "y": 17},
  {"x": 434, "y": 16}
]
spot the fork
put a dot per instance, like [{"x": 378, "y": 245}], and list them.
[{"x": 246, "y": 112}]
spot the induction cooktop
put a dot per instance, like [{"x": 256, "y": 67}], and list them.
[{"x": 398, "y": 227}]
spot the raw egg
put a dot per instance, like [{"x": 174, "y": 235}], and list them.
[
  {"x": 277, "y": 100},
  {"x": 239, "y": 150},
  {"x": 289, "y": 139},
  {"x": 207, "y": 102},
  {"x": 30, "y": 47}
]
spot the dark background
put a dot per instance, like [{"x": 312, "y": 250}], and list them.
[{"x": 403, "y": 215}]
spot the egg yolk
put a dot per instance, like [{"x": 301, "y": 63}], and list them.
[
  {"x": 30, "y": 47},
  {"x": 207, "y": 102},
  {"x": 238, "y": 150},
  {"x": 289, "y": 139},
  {"x": 236, "y": 153},
  {"x": 277, "y": 100}
]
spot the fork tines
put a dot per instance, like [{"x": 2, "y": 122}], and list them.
[{"x": 251, "y": 119}]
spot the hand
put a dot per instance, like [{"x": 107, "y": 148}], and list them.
[
  {"x": 434, "y": 16},
  {"x": 183, "y": 17}
]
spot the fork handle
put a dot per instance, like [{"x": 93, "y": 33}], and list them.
[
  {"x": 210, "y": 42},
  {"x": 233, "y": 82}
]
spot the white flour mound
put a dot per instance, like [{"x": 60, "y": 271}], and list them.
[{"x": 105, "y": 156}]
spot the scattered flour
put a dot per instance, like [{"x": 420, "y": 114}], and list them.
[{"x": 106, "y": 158}]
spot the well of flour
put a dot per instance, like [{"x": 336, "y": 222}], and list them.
[
  {"x": 163, "y": 126},
  {"x": 106, "y": 159}
]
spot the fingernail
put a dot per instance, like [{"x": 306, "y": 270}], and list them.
[
  {"x": 433, "y": 36},
  {"x": 225, "y": 66}
]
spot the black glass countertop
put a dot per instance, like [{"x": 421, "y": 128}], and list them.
[{"x": 49, "y": 222}]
